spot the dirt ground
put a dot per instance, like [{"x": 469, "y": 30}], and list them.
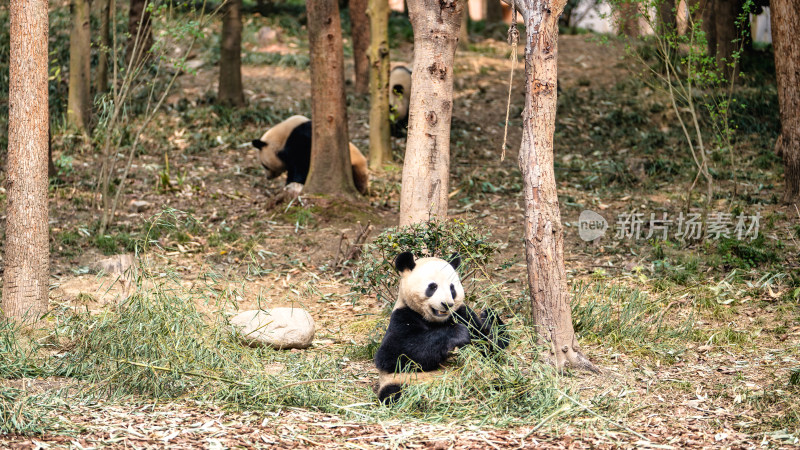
[{"x": 716, "y": 393}]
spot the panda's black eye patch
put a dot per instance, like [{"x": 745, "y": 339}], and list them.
[
  {"x": 431, "y": 289},
  {"x": 453, "y": 291}
]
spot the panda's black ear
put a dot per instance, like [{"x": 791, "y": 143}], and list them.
[
  {"x": 455, "y": 260},
  {"x": 259, "y": 144},
  {"x": 404, "y": 261}
]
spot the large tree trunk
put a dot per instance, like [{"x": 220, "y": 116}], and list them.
[
  {"x": 629, "y": 19},
  {"x": 725, "y": 12},
  {"x": 785, "y": 21},
  {"x": 380, "y": 149},
  {"x": 707, "y": 12},
  {"x": 493, "y": 11},
  {"x": 230, "y": 58},
  {"x": 79, "y": 101},
  {"x": 426, "y": 168},
  {"x": 141, "y": 33},
  {"x": 667, "y": 20},
  {"x": 101, "y": 77},
  {"x": 360, "y": 33},
  {"x": 27, "y": 262},
  {"x": 330, "y": 171},
  {"x": 544, "y": 234}
]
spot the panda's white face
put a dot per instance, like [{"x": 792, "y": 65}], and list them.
[{"x": 432, "y": 288}]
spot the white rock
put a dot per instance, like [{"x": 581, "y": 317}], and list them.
[{"x": 279, "y": 328}]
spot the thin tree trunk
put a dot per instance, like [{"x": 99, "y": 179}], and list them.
[
  {"x": 27, "y": 261},
  {"x": 101, "y": 77},
  {"x": 380, "y": 149},
  {"x": 360, "y": 33},
  {"x": 785, "y": 21},
  {"x": 230, "y": 58},
  {"x": 330, "y": 171},
  {"x": 463, "y": 38},
  {"x": 426, "y": 168},
  {"x": 79, "y": 100},
  {"x": 141, "y": 33},
  {"x": 544, "y": 234}
]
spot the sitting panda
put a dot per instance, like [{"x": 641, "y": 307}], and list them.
[
  {"x": 399, "y": 98},
  {"x": 286, "y": 147},
  {"x": 428, "y": 322}
]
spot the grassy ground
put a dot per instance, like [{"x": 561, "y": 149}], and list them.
[{"x": 697, "y": 341}]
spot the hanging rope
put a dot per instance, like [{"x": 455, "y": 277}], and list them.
[{"x": 513, "y": 40}]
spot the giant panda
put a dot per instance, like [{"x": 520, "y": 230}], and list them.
[
  {"x": 428, "y": 322},
  {"x": 399, "y": 98},
  {"x": 286, "y": 147}
]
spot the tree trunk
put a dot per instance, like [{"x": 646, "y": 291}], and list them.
[
  {"x": 380, "y": 148},
  {"x": 101, "y": 76},
  {"x": 667, "y": 20},
  {"x": 79, "y": 99},
  {"x": 330, "y": 171},
  {"x": 493, "y": 12},
  {"x": 629, "y": 19},
  {"x": 785, "y": 21},
  {"x": 141, "y": 33},
  {"x": 544, "y": 234},
  {"x": 426, "y": 169},
  {"x": 725, "y": 12},
  {"x": 27, "y": 261},
  {"x": 707, "y": 11},
  {"x": 230, "y": 58},
  {"x": 360, "y": 33}
]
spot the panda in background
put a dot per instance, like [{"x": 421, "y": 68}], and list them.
[
  {"x": 286, "y": 147},
  {"x": 428, "y": 322},
  {"x": 399, "y": 98}
]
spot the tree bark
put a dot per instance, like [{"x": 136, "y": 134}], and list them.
[
  {"x": 380, "y": 148},
  {"x": 79, "y": 100},
  {"x": 27, "y": 261},
  {"x": 707, "y": 12},
  {"x": 426, "y": 169},
  {"x": 230, "y": 59},
  {"x": 101, "y": 76},
  {"x": 330, "y": 171},
  {"x": 141, "y": 33},
  {"x": 785, "y": 21},
  {"x": 361, "y": 39},
  {"x": 544, "y": 234}
]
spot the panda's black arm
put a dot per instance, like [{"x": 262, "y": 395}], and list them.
[
  {"x": 484, "y": 327},
  {"x": 412, "y": 344}
]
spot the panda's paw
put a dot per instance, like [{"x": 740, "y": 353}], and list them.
[
  {"x": 459, "y": 338},
  {"x": 390, "y": 394},
  {"x": 494, "y": 329}
]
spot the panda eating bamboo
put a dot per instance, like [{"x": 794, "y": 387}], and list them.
[{"x": 428, "y": 322}]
